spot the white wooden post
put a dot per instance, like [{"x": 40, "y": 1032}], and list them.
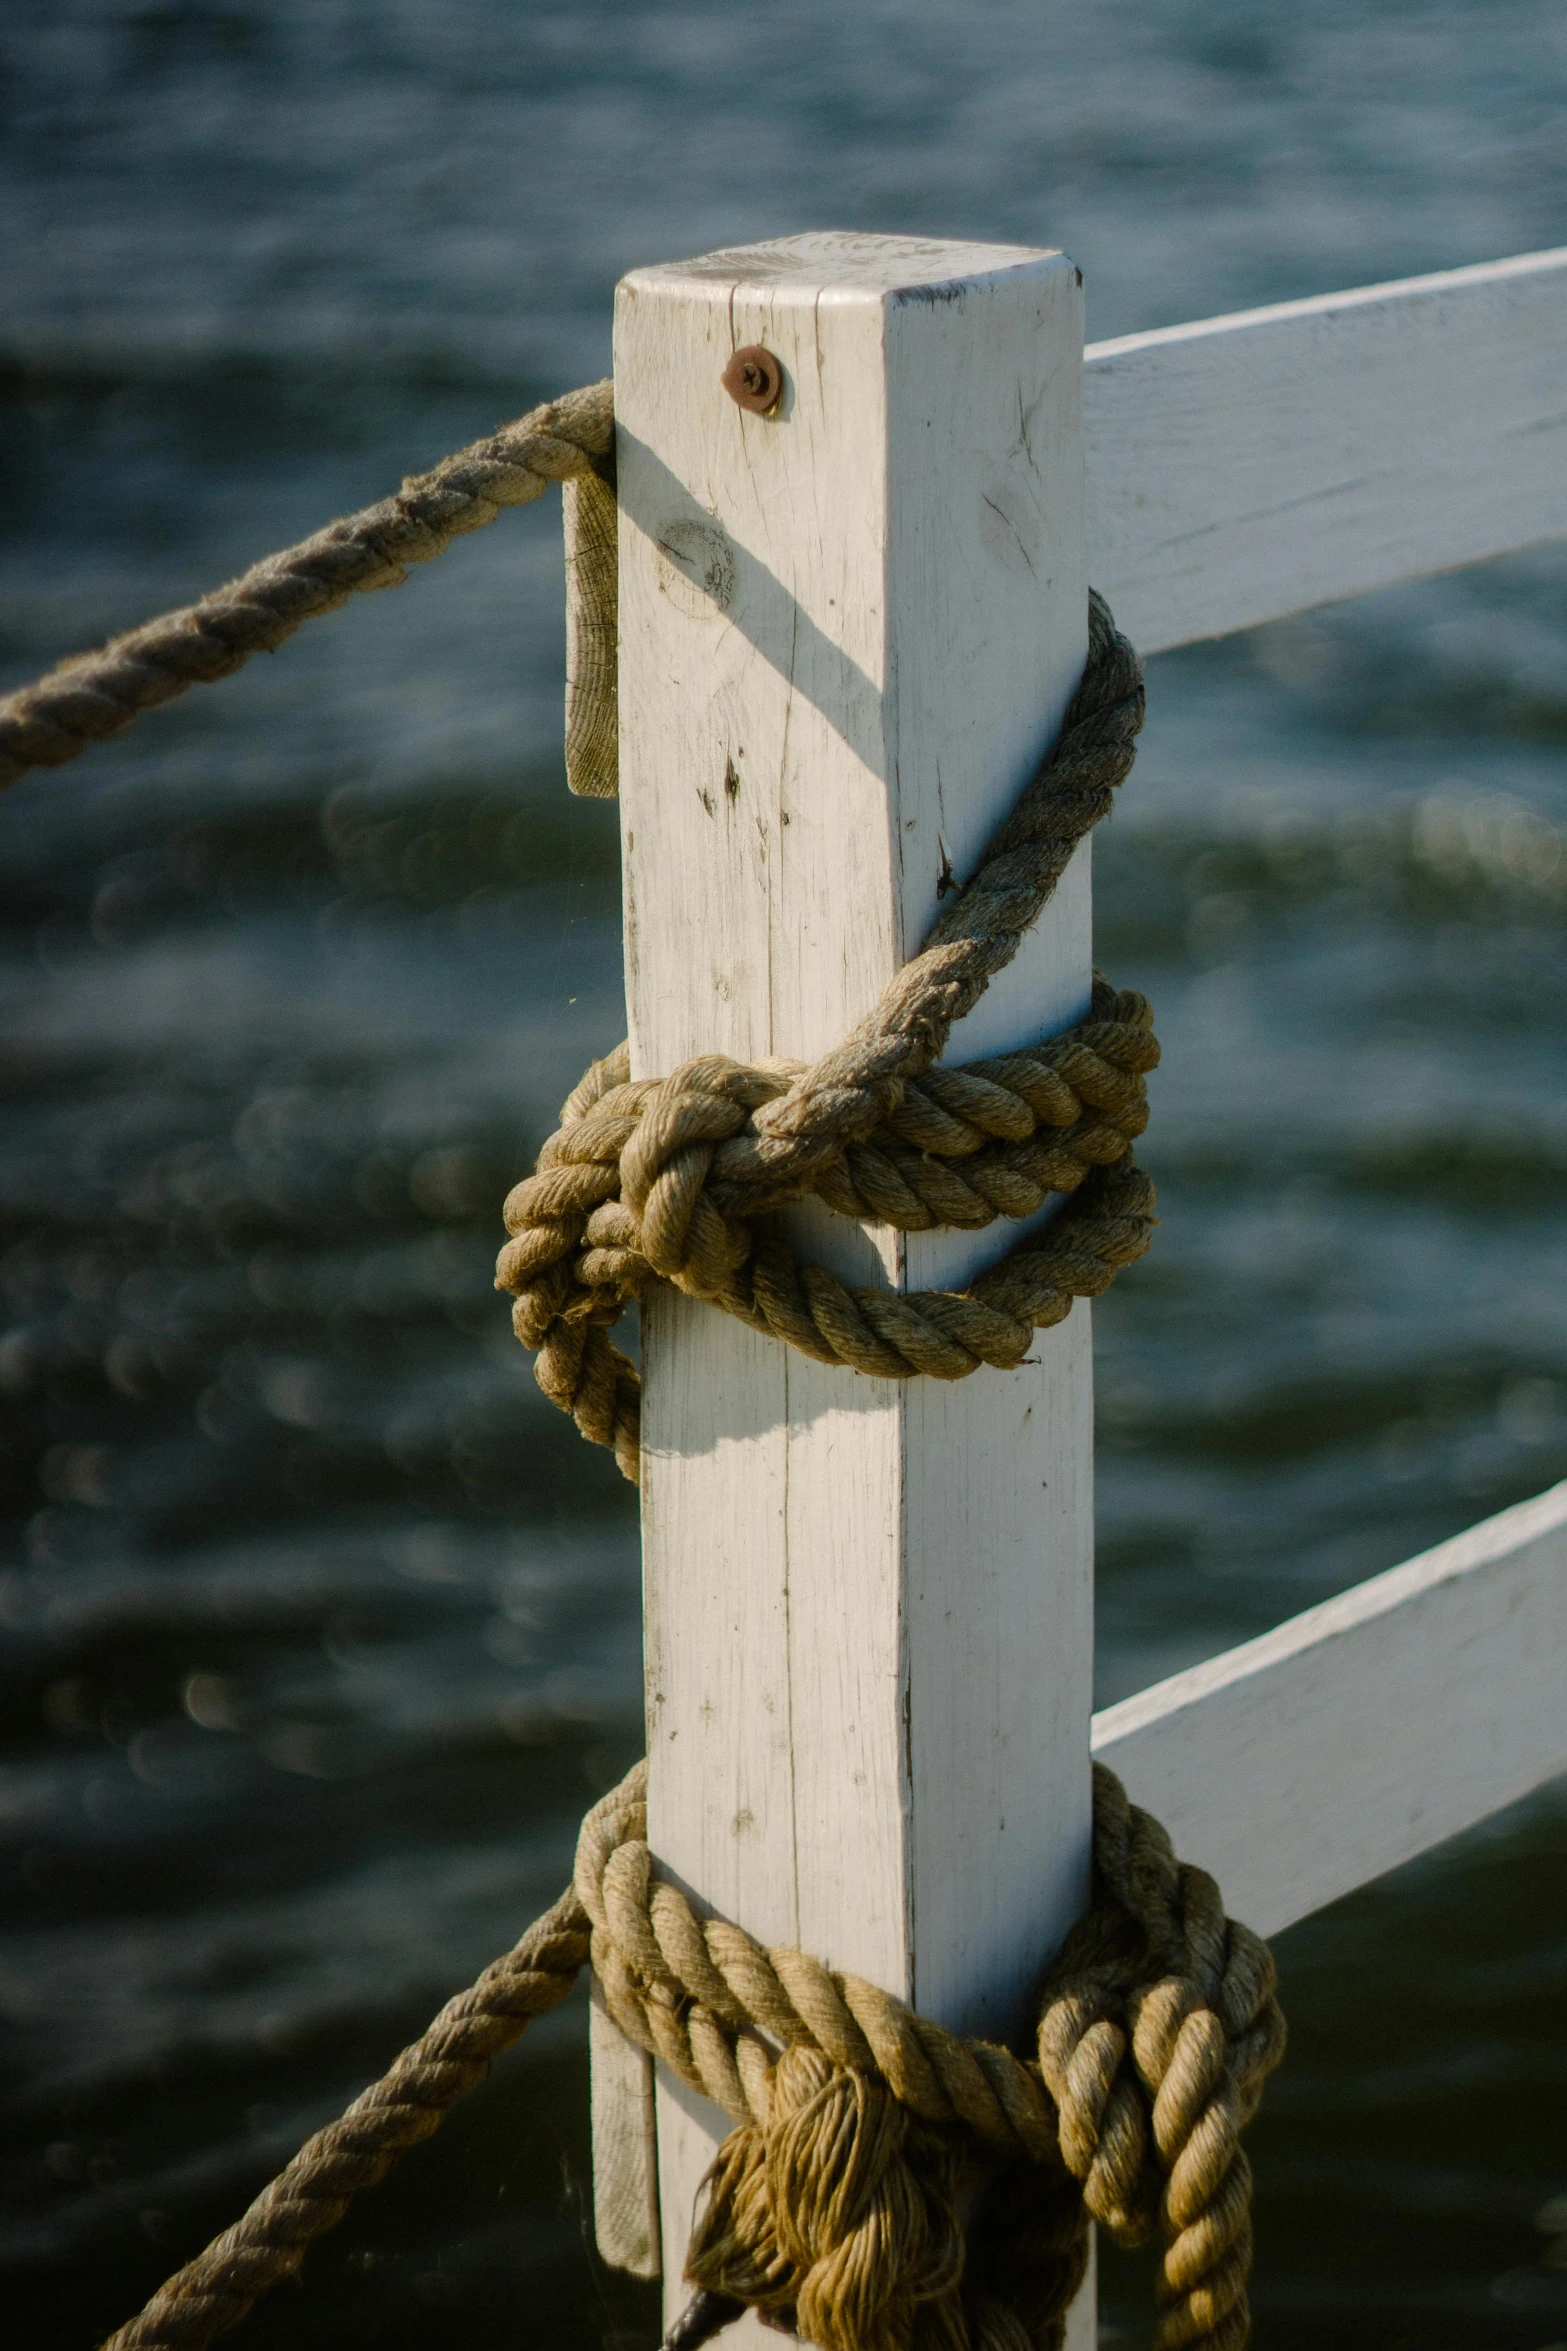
[{"x": 847, "y": 631}]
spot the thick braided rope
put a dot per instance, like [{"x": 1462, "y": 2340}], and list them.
[
  {"x": 410, "y": 2101},
  {"x": 664, "y": 1180},
  {"x": 96, "y": 694},
  {"x": 1158, "y": 2024},
  {"x": 1158, "y": 2027},
  {"x": 717, "y": 2007}
]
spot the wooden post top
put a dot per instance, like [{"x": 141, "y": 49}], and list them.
[{"x": 845, "y": 262}]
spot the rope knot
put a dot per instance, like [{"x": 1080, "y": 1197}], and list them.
[
  {"x": 837, "y": 2218},
  {"x": 676, "y": 1180}
]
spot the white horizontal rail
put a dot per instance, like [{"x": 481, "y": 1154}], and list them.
[
  {"x": 1242, "y": 468},
  {"x": 1302, "y": 1765}
]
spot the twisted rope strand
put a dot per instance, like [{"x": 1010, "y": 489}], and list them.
[
  {"x": 1158, "y": 2027},
  {"x": 668, "y": 1180},
  {"x": 861, "y": 1079},
  {"x": 96, "y": 694},
  {"x": 410, "y": 2101}
]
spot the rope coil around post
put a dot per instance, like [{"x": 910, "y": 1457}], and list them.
[
  {"x": 863, "y": 2128},
  {"x": 671, "y": 1180},
  {"x": 889, "y": 2185}
]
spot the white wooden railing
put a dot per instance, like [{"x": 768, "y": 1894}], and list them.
[
  {"x": 846, "y": 632},
  {"x": 1244, "y": 468}
]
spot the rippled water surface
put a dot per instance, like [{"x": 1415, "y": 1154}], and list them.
[{"x": 320, "y": 1628}]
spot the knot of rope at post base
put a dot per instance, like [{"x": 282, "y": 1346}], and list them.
[
  {"x": 890, "y": 2184},
  {"x": 676, "y": 1180}
]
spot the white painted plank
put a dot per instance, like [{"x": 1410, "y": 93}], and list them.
[
  {"x": 1363, "y": 1732},
  {"x": 1242, "y": 468},
  {"x": 846, "y": 634}
]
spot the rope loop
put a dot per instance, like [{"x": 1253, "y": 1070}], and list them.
[{"x": 675, "y": 1180}]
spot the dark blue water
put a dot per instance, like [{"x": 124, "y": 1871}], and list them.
[{"x": 320, "y": 1628}]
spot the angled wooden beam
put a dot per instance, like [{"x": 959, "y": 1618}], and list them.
[
  {"x": 1246, "y": 467},
  {"x": 1367, "y": 1730}
]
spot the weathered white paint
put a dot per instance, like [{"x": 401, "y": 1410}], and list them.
[
  {"x": 1245, "y": 467},
  {"x": 1307, "y": 1762},
  {"x": 846, "y": 633}
]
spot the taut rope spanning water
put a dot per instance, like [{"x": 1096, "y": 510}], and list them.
[
  {"x": 863, "y": 2130},
  {"x": 97, "y": 694}
]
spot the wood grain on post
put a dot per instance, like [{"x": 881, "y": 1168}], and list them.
[{"x": 848, "y": 630}]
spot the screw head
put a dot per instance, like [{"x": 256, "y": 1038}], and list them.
[{"x": 754, "y": 380}]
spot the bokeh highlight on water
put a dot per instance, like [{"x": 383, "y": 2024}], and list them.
[{"x": 319, "y": 1628}]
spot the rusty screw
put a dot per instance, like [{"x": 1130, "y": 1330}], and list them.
[{"x": 754, "y": 378}]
